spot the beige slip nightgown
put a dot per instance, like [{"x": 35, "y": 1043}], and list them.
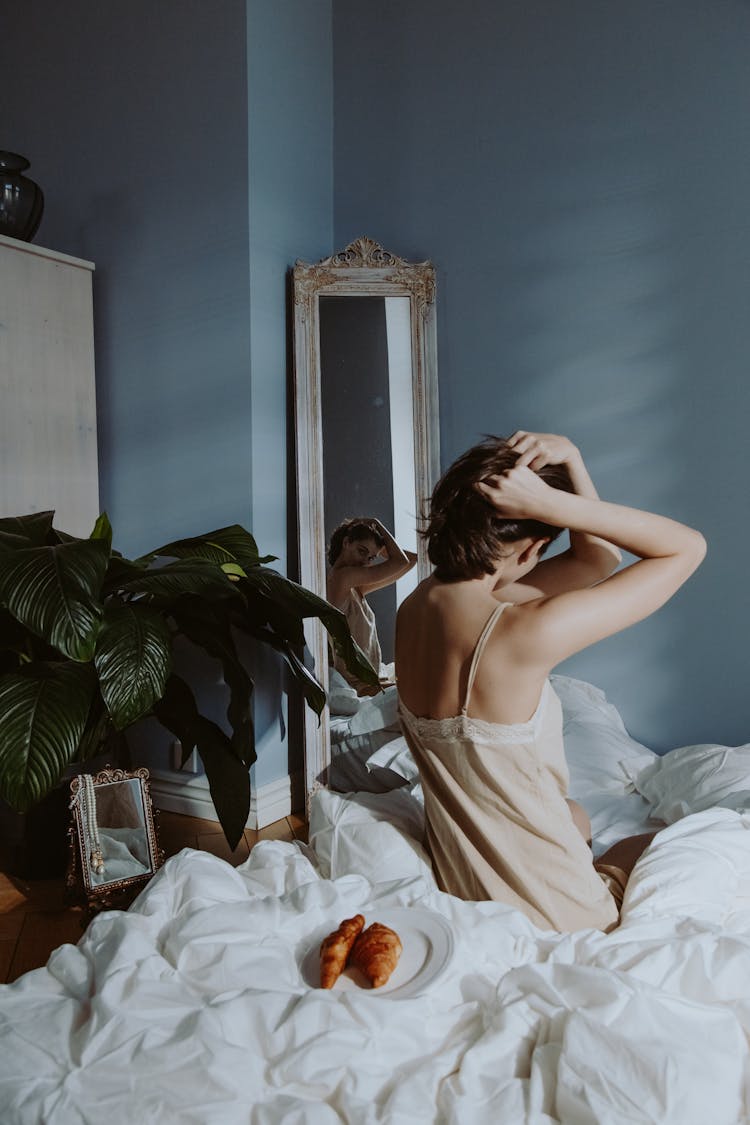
[
  {"x": 497, "y": 822},
  {"x": 361, "y": 621}
]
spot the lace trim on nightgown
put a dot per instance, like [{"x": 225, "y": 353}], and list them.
[{"x": 479, "y": 730}]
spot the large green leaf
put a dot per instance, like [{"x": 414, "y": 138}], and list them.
[
  {"x": 228, "y": 777},
  {"x": 265, "y": 620},
  {"x": 103, "y": 530},
  {"x": 298, "y": 601},
  {"x": 13, "y": 636},
  {"x": 56, "y": 536},
  {"x": 207, "y": 626},
  {"x": 55, "y": 590},
  {"x": 99, "y": 730},
  {"x": 133, "y": 658},
  {"x": 314, "y": 695},
  {"x": 228, "y": 782},
  {"x": 225, "y": 545},
  {"x": 10, "y": 542},
  {"x": 311, "y": 690},
  {"x": 119, "y": 571},
  {"x": 186, "y": 576},
  {"x": 19, "y": 646},
  {"x": 260, "y": 612},
  {"x": 34, "y": 528},
  {"x": 44, "y": 710}
]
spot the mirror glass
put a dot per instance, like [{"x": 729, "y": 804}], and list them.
[
  {"x": 368, "y": 429},
  {"x": 366, "y": 439},
  {"x": 121, "y": 828},
  {"x": 113, "y": 837}
]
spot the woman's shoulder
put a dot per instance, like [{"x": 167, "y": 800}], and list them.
[
  {"x": 446, "y": 608},
  {"x": 428, "y": 597}
]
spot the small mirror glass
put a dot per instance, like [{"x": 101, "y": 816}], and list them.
[{"x": 113, "y": 837}]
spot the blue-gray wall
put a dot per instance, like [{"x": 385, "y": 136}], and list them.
[
  {"x": 186, "y": 148},
  {"x": 580, "y": 174},
  {"x": 290, "y": 81},
  {"x": 135, "y": 119}
]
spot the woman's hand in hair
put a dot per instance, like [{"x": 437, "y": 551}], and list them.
[
  {"x": 520, "y": 494},
  {"x": 589, "y": 558},
  {"x": 538, "y": 450}
]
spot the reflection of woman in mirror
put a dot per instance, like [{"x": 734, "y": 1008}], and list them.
[
  {"x": 363, "y": 556},
  {"x": 475, "y": 644}
]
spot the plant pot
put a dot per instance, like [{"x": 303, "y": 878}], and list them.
[{"x": 35, "y": 843}]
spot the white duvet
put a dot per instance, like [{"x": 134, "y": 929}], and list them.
[{"x": 194, "y": 1005}]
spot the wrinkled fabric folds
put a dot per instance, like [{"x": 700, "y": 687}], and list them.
[{"x": 191, "y": 1006}]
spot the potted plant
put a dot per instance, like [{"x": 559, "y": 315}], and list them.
[{"x": 86, "y": 650}]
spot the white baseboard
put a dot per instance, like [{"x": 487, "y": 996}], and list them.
[{"x": 190, "y": 796}]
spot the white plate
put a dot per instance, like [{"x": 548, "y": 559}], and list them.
[{"x": 427, "y": 943}]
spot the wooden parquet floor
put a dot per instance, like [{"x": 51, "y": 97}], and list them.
[{"x": 34, "y": 919}]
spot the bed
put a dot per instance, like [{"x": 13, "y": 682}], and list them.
[
  {"x": 359, "y": 727},
  {"x": 199, "y": 1003}
]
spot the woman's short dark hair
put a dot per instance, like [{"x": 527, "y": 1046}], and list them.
[
  {"x": 465, "y": 535},
  {"x": 355, "y": 528}
]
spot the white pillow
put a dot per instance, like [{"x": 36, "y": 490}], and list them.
[
  {"x": 601, "y": 755},
  {"x": 377, "y": 712},
  {"x": 581, "y": 700},
  {"x": 693, "y": 778},
  {"x": 395, "y": 756},
  {"x": 342, "y": 698},
  {"x": 377, "y": 835}
]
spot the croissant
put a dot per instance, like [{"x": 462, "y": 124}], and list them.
[
  {"x": 376, "y": 953},
  {"x": 335, "y": 949}
]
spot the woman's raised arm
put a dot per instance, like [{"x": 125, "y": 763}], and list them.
[
  {"x": 557, "y": 626},
  {"x": 397, "y": 563}
]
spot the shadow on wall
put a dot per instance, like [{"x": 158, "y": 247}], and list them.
[{"x": 593, "y": 345}]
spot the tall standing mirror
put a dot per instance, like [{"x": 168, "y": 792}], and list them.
[{"x": 366, "y": 413}]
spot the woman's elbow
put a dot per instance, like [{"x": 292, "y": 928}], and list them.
[
  {"x": 691, "y": 553},
  {"x": 699, "y": 547}
]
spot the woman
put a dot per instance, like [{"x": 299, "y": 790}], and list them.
[
  {"x": 475, "y": 644},
  {"x": 355, "y": 552}
]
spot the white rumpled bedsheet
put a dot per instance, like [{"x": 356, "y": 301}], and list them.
[{"x": 191, "y": 1007}]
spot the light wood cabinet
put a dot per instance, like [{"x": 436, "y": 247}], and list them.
[{"x": 48, "y": 448}]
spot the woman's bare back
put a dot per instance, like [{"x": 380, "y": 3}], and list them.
[{"x": 437, "y": 630}]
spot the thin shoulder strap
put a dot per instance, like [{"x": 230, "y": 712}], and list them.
[{"x": 479, "y": 649}]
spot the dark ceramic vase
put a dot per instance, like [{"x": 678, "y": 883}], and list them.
[{"x": 21, "y": 200}]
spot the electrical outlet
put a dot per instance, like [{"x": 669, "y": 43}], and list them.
[{"x": 191, "y": 765}]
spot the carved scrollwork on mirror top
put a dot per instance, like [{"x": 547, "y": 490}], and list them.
[
  {"x": 333, "y": 273},
  {"x": 114, "y": 848},
  {"x": 334, "y": 344}
]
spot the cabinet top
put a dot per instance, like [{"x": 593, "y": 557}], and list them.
[{"x": 41, "y": 252}]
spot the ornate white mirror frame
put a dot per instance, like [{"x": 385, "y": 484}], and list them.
[
  {"x": 362, "y": 269},
  {"x": 93, "y": 876}
]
